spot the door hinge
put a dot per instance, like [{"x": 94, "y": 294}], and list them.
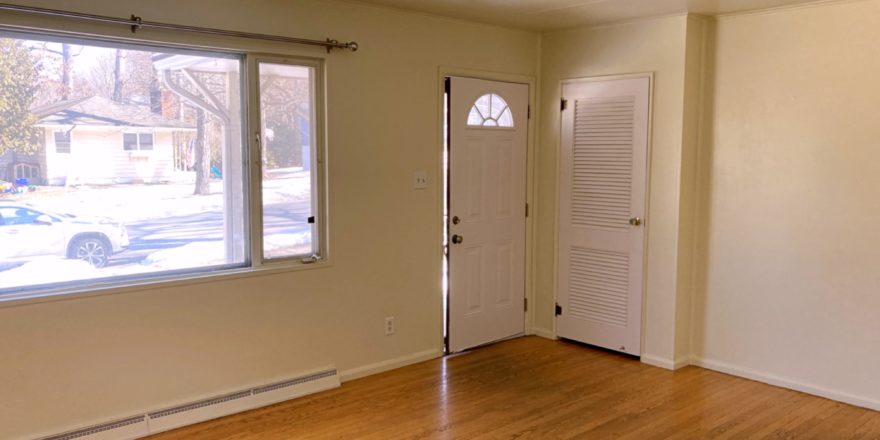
[
  {"x": 529, "y": 112},
  {"x": 563, "y": 105},
  {"x": 558, "y": 309},
  {"x": 525, "y": 304},
  {"x": 527, "y": 209}
]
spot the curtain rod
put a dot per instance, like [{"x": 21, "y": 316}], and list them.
[{"x": 136, "y": 23}]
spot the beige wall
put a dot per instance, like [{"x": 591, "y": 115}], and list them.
[
  {"x": 760, "y": 218},
  {"x": 789, "y": 293},
  {"x": 70, "y": 363},
  {"x": 656, "y": 46}
]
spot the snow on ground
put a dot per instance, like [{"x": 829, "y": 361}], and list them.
[
  {"x": 48, "y": 270},
  {"x": 51, "y": 270},
  {"x": 137, "y": 202},
  {"x": 282, "y": 245},
  {"x": 199, "y": 254},
  {"x": 142, "y": 203},
  {"x": 211, "y": 253}
]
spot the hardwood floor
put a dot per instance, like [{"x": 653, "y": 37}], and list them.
[{"x": 540, "y": 389}]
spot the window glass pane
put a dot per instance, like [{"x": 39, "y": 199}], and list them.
[
  {"x": 62, "y": 142},
  {"x": 129, "y": 141},
  {"x": 119, "y": 216},
  {"x": 287, "y": 119},
  {"x": 490, "y": 110},
  {"x": 146, "y": 141}
]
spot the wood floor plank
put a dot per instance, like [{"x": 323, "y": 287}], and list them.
[{"x": 533, "y": 388}]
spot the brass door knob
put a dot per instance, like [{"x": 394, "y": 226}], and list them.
[
  {"x": 635, "y": 221},
  {"x": 457, "y": 239}
]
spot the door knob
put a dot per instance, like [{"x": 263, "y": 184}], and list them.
[
  {"x": 457, "y": 239},
  {"x": 635, "y": 221}
]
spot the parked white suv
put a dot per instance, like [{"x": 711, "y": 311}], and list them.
[{"x": 26, "y": 232}]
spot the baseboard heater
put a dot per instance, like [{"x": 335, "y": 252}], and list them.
[{"x": 196, "y": 412}]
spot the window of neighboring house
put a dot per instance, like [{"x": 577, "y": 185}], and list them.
[
  {"x": 62, "y": 141},
  {"x": 185, "y": 211},
  {"x": 137, "y": 141},
  {"x": 26, "y": 171},
  {"x": 145, "y": 141}
]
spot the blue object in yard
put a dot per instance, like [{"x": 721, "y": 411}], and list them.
[
  {"x": 21, "y": 182},
  {"x": 216, "y": 172}
]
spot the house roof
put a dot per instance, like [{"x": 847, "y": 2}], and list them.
[{"x": 100, "y": 111}]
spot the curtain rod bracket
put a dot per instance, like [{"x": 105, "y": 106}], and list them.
[{"x": 138, "y": 22}]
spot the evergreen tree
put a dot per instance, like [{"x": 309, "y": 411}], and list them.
[{"x": 18, "y": 88}]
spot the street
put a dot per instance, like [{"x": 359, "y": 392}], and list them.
[{"x": 148, "y": 236}]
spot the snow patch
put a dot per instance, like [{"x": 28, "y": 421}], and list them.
[{"x": 48, "y": 270}]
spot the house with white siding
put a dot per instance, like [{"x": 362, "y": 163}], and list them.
[{"x": 97, "y": 141}]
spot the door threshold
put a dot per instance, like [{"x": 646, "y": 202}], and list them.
[{"x": 508, "y": 338}]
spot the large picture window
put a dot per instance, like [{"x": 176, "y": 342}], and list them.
[{"x": 144, "y": 164}]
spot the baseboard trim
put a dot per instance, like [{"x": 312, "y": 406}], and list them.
[
  {"x": 390, "y": 364},
  {"x": 657, "y": 361},
  {"x": 198, "y": 411},
  {"x": 666, "y": 363},
  {"x": 544, "y": 333},
  {"x": 784, "y": 382}
]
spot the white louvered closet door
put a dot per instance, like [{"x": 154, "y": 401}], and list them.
[{"x": 602, "y": 206}]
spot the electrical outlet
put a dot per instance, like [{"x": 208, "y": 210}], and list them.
[
  {"x": 420, "y": 180},
  {"x": 389, "y": 326}
]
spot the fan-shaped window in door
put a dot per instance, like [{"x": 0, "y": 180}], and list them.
[{"x": 490, "y": 110}]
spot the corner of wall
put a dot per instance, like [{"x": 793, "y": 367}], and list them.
[{"x": 697, "y": 55}]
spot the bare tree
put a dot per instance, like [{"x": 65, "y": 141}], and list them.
[
  {"x": 202, "y": 156},
  {"x": 207, "y": 92},
  {"x": 117, "y": 76},
  {"x": 284, "y": 103}
]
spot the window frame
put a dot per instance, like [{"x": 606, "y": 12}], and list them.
[{"x": 254, "y": 263}]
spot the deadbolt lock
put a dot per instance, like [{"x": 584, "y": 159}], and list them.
[
  {"x": 635, "y": 221},
  {"x": 456, "y": 220}
]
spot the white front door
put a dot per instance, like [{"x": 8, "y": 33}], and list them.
[
  {"x": 602, "y": 204},
  {"x": 487, "y": 210}
]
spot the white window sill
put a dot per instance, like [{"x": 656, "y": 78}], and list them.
[{"x": 13, "y": 299}]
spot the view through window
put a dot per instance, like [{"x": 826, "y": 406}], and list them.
[
  {"x": 286, "y": 94},
  {"x": 119, "y": 162}
]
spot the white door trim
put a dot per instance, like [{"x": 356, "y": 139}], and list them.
[
  {"x": 648, "y": 173},
  {"x": 449, "y": 71}
]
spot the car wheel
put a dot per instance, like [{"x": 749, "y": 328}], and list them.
[{"x": 91, "y": 250}]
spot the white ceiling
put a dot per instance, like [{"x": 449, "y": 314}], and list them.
[{"x": 542, "y": 15}]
